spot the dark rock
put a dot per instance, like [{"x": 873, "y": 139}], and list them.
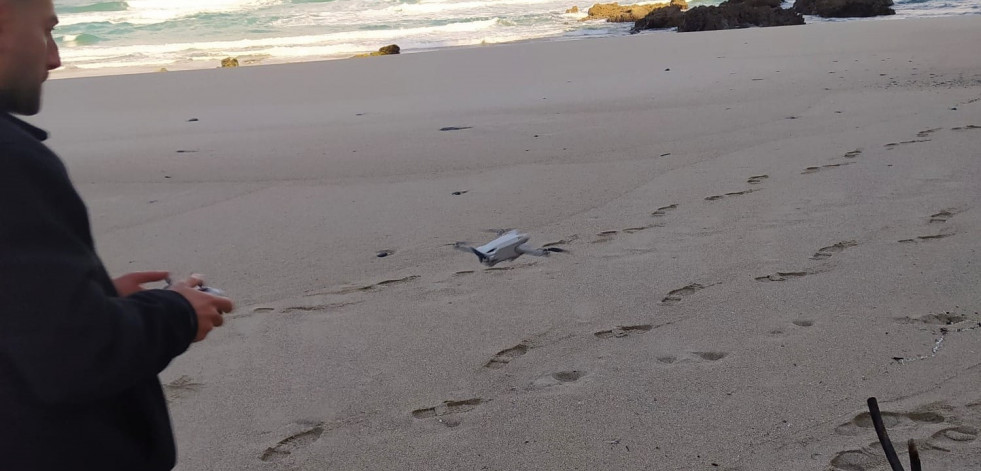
[
  {"x": 667, "y": 17},
  {"x": 844, "y": 8},
  {"x": 733, "y": 15},
  {"x": 390, "y": 49},
  {"x": 229, "y": 62},
  {"x": 729, "y": 15}
]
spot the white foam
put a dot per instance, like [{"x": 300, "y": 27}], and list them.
[
  {"x": 348, "y": 42},
  {"x": 147, "y": 12}
]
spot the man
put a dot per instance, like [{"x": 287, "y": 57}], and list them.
[{"x": 79, "y": 352}]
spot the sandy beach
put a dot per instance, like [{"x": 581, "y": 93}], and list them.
[{"x": 764, "y": 227}]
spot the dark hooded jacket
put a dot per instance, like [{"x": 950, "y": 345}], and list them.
[{"x": 78, "y": 363}]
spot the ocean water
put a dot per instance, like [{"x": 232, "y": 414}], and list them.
[{"x": 199, "y": 33}]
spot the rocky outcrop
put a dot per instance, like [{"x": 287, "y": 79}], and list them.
[
  {"x": 731, "y": 14},
  {"x": 229, "y": 62},
  {"x": 574, "y": 9},
  {"x": 844, "y": 8},
  {"x": 389, "y": 50},
  {"x": 667, "y": 17},
  {"x": 615, "y": 13}
]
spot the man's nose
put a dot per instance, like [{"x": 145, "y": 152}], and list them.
[{"x": 54, "y": 57}]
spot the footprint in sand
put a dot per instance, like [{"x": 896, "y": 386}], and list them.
[
  {"x": 893, "y": 145},
  {"x": 320, "y": 307},
  {"x": 292, "y": 443},
  {"x": 497, "y": 269},
  {"x": 455, "y": 128},
  {"x": 866, "y": 459},
  {"x": 693, "y": 357},
  {"x": 624, "y": 331},
  {"x": 756, "y": 179},
  {"x": 631, "y": 230},
  {"x": 829, "y": 251},
  {"x": 675, "y": 297},
  {"x": 925, "y": 238},
  {"x": 852, "y": 154},
  {"x": 394, "y": 282},
  {"x": 555, "y": 379},
  {"x": 782, "y": 276},
  {"x": 862, "y": 422},
  {"x": 663, "y": 210},
  {"x": 605, "y": 236},
  {"x": 566, "y": 241},
  {"x": 503, "y": 357},
  {"x": 949, "y": 439},
  {"x": 443, "y": 413},
  {"x": 799, "y": 323},
  {"x": 380, "y": 284},
  {"x": 942, "y": 216},
  {"x": 180, "y": 388},
  {"x": 735, "y": 193},
  {"x": 871, "y": 457},
  {"x": 810, "y": 170},
  {"x": 966, "y": 128},
  {"x": 927, "y": 132}
]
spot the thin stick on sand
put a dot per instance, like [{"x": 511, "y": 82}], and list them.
[
  {"x": 914, "y": 456},
  {"x": 880, "y": 430}
]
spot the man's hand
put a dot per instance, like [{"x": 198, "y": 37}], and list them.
[
  {"x": 130, "y": 283},
  {"x": 208, "y": 307}
]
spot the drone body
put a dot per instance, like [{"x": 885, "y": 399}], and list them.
[{"x": 509, "y": 246}]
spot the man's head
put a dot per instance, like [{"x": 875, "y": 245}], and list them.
[{"x": 27, "y": 52}]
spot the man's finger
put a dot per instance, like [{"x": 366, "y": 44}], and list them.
[
  {"x": 217, "y": 320},
  {"x": 195, "y": 280},
  {"x": 223, "y": 304}
]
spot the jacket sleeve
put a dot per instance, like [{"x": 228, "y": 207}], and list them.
[{"x": 65, "y": 338}]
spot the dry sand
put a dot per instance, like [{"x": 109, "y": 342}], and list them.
[{"x": 820, "y": 185}]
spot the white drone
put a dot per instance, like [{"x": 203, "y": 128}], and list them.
[{"x": 508, "y": 246}]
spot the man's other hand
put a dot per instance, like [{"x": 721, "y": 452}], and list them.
[
  {"x": 131, "y": 283},
  {"x": 208, "y": 307}
]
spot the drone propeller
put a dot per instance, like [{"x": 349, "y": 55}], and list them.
[
  {"x": 461, "y": 246},
  {"x": 464, "y": 247}
]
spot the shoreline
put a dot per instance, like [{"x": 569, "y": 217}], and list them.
[{"x": 61, "y": 74}]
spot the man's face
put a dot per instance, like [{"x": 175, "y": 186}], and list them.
[{"x": 27, "y": 52}]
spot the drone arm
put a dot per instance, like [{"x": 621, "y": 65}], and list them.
[{"x": 527, "y": 250}]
